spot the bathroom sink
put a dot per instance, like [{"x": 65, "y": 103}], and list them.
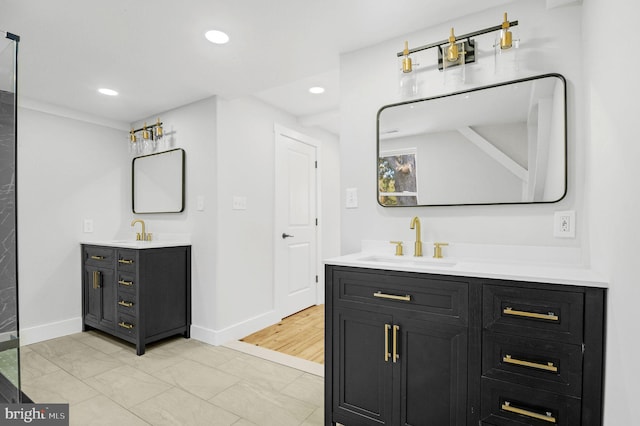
[{"x": 427, "y": 262}]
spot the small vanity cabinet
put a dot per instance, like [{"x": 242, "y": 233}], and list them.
[
  {"x": 139, "y": 295},
  {"x": 406, "y": 348}
]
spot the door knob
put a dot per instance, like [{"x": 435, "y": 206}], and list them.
[{"x": 286, "y": 236}]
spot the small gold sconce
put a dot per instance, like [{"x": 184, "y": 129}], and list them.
[
  {"x": 406, "y": 61},
  {"x": 506, "y": 38},
  {"x": 452, "y": 50}
]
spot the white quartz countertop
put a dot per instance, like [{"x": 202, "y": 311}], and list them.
[
  {"x": 507, "y": 269},
  {"x": 138, "y": 244}
]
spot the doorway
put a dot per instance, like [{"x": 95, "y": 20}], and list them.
[{"x": 296, "y": 239}]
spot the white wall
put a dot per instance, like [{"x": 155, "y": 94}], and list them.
[
  {"x": 369, "y": 80},
  {"x": 68, "y": 170},
  {"x": 613, "y": 198}
]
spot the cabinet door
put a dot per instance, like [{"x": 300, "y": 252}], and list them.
[
  {"x": 432, "y": 379},
  {"x": 362, "y": 367},
  {"x": 100, "y": 300}
]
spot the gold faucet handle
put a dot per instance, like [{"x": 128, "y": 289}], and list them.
[
  {"x": 437, "y": 250},
  {"x": 149, "y": 236},
  {"x": 398, "y": 247},
  {"x": 138, "y": 236}
]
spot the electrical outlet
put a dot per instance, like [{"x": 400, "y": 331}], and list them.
[
  {"x": 564, "y": 224},
  {"x": 351, "y": 199}
]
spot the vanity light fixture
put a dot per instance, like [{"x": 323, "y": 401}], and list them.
[
  {"x": 316, "y": 90},
  {"x": 458, "y": 50},
  {"x": 151, "y": 135}
]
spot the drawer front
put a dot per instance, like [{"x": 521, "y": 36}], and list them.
[
  {"x": 538, "y": 313},
  {"x": 127, "y": 260},
  {"x": 446, "y": 299},
  {"x": 541, "y": 364},
  {"x": 126, "y": 303},
  {"x": 508, "y": 404},
  {"x": 127, "y": 282},
  {"x": 126, "y": 325},
  {"x": 99, "y": 256}
]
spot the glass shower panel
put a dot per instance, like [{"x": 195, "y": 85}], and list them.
[{"x": 9, "y": 338}]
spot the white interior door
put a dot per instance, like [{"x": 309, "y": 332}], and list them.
[{"x": 296, "y": 239}]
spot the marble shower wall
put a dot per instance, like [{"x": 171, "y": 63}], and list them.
[{"x": 8, "y": 275}]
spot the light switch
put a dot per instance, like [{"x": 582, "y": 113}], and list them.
[
  {"x": 239, "y": 203},
  {"x": 200, "y": 203},
  {"x": 87, "y": 226},
  {"x": 351, "y": 201}
]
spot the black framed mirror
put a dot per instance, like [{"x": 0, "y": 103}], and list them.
[
  {"x": 499, "y": 144},
  {"x": 158, "y": 182}
]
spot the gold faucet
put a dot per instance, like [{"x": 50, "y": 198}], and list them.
[
  {"x": 143, "y": 236},
  {"x": 415, "y": 223}
]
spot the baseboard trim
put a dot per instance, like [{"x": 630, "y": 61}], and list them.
[
  {"x": 234, "y": 332},
  {"x": 49, "y": 331}
]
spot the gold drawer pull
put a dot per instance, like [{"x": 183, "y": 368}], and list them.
[
  {"x": 97, "y": 257},
  {"x": 382, "y": 295},
  {"x": 547, "y": 417},
  {"x": 387, "y": 354},
  {"x": 125, "y": 304},
  {"x": 125, "y": 325},
  {"x": 550, "y": 316},
  {"x": 547, "y": 367},
  {"x": 127, "y": 283},
  {"x": 126, "y": 261},
  {"x": 96, "y": 279},
  {"x": 396, "y": 357}
]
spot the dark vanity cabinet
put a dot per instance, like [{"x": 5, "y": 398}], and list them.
[
  {"x": 423, "y": 349},
  {"x": 139, "y": 295},
  {"x": 396, "y": 348}
]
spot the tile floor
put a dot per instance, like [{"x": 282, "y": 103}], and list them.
[{"x": 177, "y": 382}]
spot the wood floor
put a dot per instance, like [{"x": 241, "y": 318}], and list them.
[{"x": 300, "y": 335}]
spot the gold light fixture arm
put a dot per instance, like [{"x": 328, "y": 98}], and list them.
[
  {"x": 452, "y": 50},
  {"x": 506, "y": 38},
  {"x": 407, "y": 66}
]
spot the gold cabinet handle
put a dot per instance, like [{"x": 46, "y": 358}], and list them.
[
  {"x": 126, "y": 261},
  {"x": 125, "y": 325},
  {"x": 127, "y": 283},
  {"x": 97, "y": 257},
  {"x": 125, "y": 304},
  {"x": 382, "y": 295},
  {"x": 396, "y": 328},
  {"x": 546, "y": 367},
  {"x": 547, "y": 417},
  {"x": 96, "y": 279},
  {"x": 387, "y": 354},
  {"x": 550, "y": 316}
]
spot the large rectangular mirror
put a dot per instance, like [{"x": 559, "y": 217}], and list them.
[
  {"x": 158, "y": 182},
  {"x": 499, "y": 144}
]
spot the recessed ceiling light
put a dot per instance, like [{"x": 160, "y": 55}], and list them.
[
  {"x": 316, "y": 90},
  {"x": 217, "y": 37},
  {"x": 108, "y": 92}
]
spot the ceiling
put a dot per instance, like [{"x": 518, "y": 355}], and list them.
[{"x": 153, "y": 52}]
